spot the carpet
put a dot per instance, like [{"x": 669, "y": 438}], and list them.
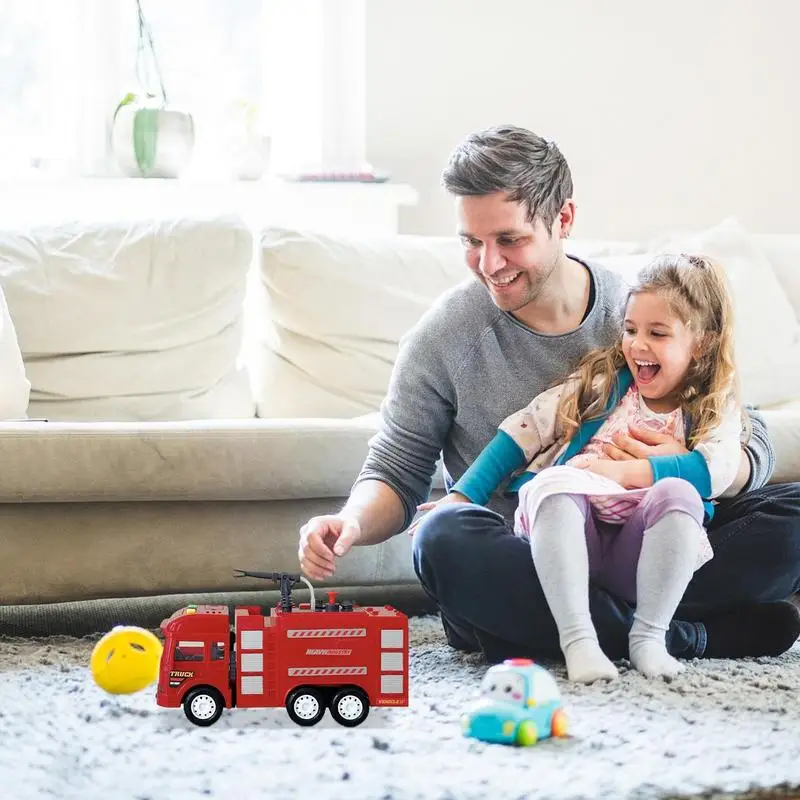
[{"x": 720, "y": 729}]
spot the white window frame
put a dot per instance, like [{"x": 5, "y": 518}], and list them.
[
  {"x": 327, "y": 97},
  {"x": 328, "y": 38}
]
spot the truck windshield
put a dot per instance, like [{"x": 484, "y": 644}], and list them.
[{"x": 189, "y": 651}]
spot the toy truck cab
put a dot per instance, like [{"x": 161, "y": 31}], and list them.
[
  {"x": 520, "y": 703},
  {"x": 197, "y": 662}
]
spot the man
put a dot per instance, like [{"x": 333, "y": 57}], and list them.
[{"x": 483, "y": 351}]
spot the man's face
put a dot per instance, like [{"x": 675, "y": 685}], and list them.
[{"x": 511, "y": 256}]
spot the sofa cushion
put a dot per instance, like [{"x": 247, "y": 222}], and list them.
[
  {"x": 131, "y": 320},
  {"x": 203, "y": 460},
  {"x": 783, "y": 253},
  {"x": 783, "y": 426},
  {"x": 329, "y": 312},
  {"x": 15, "y": 387}
]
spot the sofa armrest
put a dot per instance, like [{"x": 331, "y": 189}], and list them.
[{"x": 783, "y": 426}]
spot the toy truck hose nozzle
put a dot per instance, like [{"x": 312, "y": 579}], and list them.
[{"x": 286, "y": 581}]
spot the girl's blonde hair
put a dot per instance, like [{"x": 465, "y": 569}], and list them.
[{"x": 696, "y": 289}]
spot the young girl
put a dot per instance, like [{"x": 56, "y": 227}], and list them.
[{"x": 634, "y": 526}]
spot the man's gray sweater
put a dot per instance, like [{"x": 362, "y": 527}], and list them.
[{"x": 466, "y": 366}]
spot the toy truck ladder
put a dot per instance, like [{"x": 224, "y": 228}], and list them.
[{"x": 270, "y": 667}]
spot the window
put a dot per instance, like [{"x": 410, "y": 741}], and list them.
[
  {"x": 189, "y": 651},
  {"x": 290, "y": 70},
  {"x": 38, "y": 84},
  {"x": 218, "y": 651}
]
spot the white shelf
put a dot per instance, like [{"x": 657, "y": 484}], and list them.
[{"x": 352, "y": 208}]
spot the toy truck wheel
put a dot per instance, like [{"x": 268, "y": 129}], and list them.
[
  {"x": 305, "y": 706},
  {"x": 203, "y": 706},
  {"x": 349, "y": 706}
]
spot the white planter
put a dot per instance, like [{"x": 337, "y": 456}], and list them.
[
  {"x": 251, "y": 158},
  {"x": 152, "y": 141}
]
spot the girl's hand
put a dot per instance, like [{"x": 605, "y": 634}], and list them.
[
  {"x": 634, "y": 474},
  {"x": 448, "y": 499},
  {"x": 583, "y": 460},
  {"x": 613, "y": 470}
]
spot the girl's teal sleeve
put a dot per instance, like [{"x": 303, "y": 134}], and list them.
[
  {"x": 690, "y": 466},
  {"x": 494, "y": 464}
]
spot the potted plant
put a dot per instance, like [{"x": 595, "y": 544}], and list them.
[
  {"x": 249, "y": 145},
  {"x": 150, "y": 138}
]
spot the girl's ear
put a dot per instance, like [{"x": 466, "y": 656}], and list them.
[{"x": 702, "y": 345}]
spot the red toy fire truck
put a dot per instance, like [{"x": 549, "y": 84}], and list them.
[{"x": 306, "y": 657}]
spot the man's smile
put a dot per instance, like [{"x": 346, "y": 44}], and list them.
[{"x": 503, "y": 281}]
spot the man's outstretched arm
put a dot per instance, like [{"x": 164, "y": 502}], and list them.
[
  {"x": 371, "y": 515},
  {"x": 416, "y": 418},
  {"x": 378, "y": 509}
]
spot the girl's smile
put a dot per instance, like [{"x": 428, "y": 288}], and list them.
[{"x": 646, "y": 371}]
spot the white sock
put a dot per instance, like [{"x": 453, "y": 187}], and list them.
[
  {"x": 666, "y": 565},
  {"x": 558, "y": 544}
]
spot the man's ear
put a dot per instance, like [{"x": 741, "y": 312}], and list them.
[{"x": 565, "y": 220}]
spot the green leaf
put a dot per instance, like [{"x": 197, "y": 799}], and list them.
[
  {"x": 127, "y": 100},
  {"x": 145, "y": 135}
]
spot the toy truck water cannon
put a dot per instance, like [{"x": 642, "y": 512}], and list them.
[
  {"x": 306, "y": 657},
  {"x": 287, "y": 581}
]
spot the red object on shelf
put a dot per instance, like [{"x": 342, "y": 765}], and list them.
[{"x": 338, "y": 177}]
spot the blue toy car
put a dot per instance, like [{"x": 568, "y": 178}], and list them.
[{"x": 520, "y": 704}]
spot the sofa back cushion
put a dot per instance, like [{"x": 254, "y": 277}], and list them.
[
  {"x": 328, "y": 313},
  {"x": 131, "y": 320},
  {"x": 783, "y": 252}
]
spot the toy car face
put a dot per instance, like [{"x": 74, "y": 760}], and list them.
[{"x": 520, "y": 703}]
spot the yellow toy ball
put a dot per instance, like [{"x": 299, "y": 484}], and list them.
[{"x": 126, "y": 660}]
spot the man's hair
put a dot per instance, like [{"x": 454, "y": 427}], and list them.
[{"x": 530, "y": 169}]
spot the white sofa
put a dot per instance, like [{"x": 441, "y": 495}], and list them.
[{"x": 209, "y": 388}]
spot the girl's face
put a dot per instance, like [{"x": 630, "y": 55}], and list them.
[{"x": 658, "y": 348}]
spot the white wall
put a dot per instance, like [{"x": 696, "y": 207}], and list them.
[{"x": 670, "y": 114}]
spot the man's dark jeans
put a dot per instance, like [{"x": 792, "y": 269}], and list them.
[{"x": 482, "y": 578}]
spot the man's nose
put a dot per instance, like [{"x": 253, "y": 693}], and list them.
[{"x": 492, "y": 260}]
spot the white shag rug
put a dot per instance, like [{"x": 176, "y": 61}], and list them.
[{"x": 722, "y": 726}]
